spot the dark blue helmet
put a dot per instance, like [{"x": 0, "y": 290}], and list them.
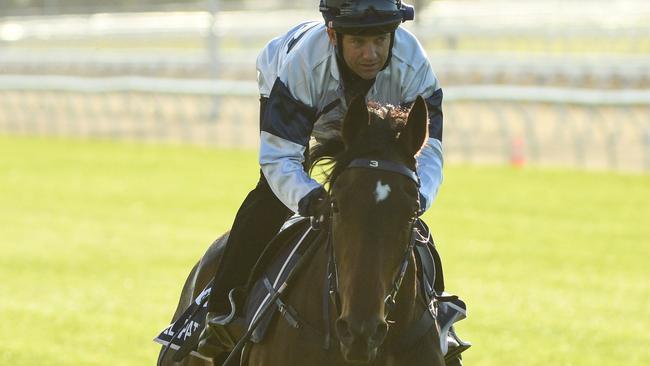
[{"x": 365, "y": 16}]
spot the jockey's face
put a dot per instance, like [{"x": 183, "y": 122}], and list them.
[{"x": 366, "y": 55}]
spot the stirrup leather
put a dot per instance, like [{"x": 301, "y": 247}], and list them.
[{"x": 222, "y": 331}]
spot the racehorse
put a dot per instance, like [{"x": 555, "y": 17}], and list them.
[{"x": 359, "y": 299}]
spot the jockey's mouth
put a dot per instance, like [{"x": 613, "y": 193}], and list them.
[
  {"x": 368, "y": 70},
  {"x": 370, "y": 66}
]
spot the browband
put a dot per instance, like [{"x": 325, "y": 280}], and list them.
[{"x": 386, "y": 166}]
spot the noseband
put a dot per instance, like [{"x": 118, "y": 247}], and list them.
[{"x": 332, "y": 273}]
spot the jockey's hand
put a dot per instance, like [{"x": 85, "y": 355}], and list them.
[{"x": 315, "y": 205}]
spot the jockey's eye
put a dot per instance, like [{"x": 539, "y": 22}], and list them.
[
  {"x": 381, "y": 40},
  {"x": 357, "y": 41}
]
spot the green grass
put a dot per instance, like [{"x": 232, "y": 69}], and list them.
[{"x": 97, "y": 238}]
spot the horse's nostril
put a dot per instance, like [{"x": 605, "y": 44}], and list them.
[
  {"x": 343, "y": 329},
  {"x": 372, "y": 332}
]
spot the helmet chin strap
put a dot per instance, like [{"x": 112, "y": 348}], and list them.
[{"x": 390, "y": 50}]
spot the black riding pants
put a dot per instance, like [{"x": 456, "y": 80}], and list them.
[{"x": 259, "y": 218}]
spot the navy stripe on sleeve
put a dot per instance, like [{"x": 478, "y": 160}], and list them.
[
  {"x": 286, "y": 117},
  {"x": 434, "y": 105},
  {"x": 297, "y": 38}
]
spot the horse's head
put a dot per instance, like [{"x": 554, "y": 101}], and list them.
[{"x": 374, "y": 193}]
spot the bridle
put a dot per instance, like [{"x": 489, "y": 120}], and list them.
[{"x": 332, "y": 273}]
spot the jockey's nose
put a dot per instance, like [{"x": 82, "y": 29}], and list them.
[
  {"x": 369, "y": 332},
  {"x": 370, "y": 52}
]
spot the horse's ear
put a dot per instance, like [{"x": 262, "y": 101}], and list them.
[
  {"x": 355, "y": 119},
  {"x": 414, "y": 134}
]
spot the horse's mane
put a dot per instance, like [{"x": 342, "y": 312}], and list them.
[{"x": 386, "y": 123}]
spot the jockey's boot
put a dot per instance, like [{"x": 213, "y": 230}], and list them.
[
  {"x": 223, "y": 329},
  {"x": 455, "y": 346},
  {"x": 451, "y": 310}
]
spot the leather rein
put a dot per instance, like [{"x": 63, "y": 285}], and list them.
[
  {"x": 330, "y": 288},
  {"x": 332, "y": 273}
]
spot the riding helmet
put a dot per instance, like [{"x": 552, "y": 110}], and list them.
[{"x": 365, "y": 17}]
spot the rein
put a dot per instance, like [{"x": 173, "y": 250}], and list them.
[
  {"x": 332, "y": 273},
  {"x": 330, "y": 290}
]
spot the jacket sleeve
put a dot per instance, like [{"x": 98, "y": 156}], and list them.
[
  {"x": 430, "y": 158},
  {"x": 285, "y": 131}
]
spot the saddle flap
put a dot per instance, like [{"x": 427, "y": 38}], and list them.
[
  {"x": 273, "y": 276},
  {"x": 289, "y": 234}
]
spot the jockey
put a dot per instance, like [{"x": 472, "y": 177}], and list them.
[{"x": 306, "y": 79}]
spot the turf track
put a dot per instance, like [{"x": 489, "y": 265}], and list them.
[{"x": 97, "y": 238}]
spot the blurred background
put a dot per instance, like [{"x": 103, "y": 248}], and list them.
[
  {"x": 128, "y": 139},
  {"x": 543, "y": 82}
]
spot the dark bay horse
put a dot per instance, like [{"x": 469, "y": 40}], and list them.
[{"x": 367, "y": 263}]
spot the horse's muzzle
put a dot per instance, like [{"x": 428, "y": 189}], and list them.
[{"x": 360, "y": 340}]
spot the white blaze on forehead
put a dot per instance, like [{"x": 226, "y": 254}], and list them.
[{"x": 381, "y": 192}]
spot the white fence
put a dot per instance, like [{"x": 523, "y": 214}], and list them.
[
  {"x": 515, "y": 77},
  {"x": 593, "y": 44},
  {"x": 606, "y": 129}
]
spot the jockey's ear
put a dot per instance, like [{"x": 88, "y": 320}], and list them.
[
  {"x": 331, "y": 34},
  {"x": 414, "y": 134},
  {"x": 355, "y": 120}
]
